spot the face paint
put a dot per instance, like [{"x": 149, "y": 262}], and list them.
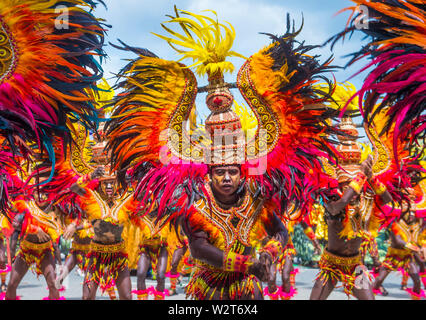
[
  {"x": 108, "y": 188},
  {"x": 226, "y": 179}
]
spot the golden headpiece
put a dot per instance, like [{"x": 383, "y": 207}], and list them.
[{"x": 202, "y": 40}]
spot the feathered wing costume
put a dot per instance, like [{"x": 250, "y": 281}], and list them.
[
  {"x": 48, "y": 59},
  {"x": 396, "y": 83},
  {"x": 149, "y": 118}
]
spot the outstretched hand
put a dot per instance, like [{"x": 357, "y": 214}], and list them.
[
  {"x": 98, "y": 172},
  {"x": 42, "y": 236},
  {"x": 261, "y": 268}
]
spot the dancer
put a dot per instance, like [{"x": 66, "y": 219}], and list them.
[
  {"x": 40, "y": 230},
  {"x": 213, "y": 187},
  {"x": 153, "y": 251},
  {"x": 405, "y": 249},
  {"x": 347, "y": 217}
]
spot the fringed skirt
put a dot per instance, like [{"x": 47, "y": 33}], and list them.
[
  {"x": 34, "y": 253},
  {"x": 369, "y": 245},
  {"x": 80, "y": 251},
  {"x": 397, "y": 259},
  {"x": 212, "y": 284},
  {"x": 151, "y": 247},
  {"x": 105, "y": 262},
  {"x": 337, "y": 268}
]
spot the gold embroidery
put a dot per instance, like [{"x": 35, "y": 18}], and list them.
[
  {"x": 106, "y": 211},
  {"x": 178, "y": 139},
  {"x": 265, "y": 117},
  {"x": 8, "y": 53},
  {"x": 247, "y": 215},
  {"x": 79, "y": 151}
]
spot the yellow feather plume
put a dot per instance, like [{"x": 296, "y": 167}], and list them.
[
  {"x": 343, "y": 92},
  {"x": 366, "y": 151},
  {"x": 104, "y": 95},
  {"x": 204, "y": 40},
  {"x": 248, "y": 120}
]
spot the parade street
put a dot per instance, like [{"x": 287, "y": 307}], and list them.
[{"x": 32, "y": 288}]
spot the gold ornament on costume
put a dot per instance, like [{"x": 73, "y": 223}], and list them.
[
  {"x": 203, "y": 42},
  {"x": 8, "y": 53},
  {"x": 350, "y": 152}
]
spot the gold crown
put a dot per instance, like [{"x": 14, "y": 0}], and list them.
[{"x": 349, "y": 151}]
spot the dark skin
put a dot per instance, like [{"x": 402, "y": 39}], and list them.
[
  {"x": 225, "y": 181},
  {"x": 342, "y": 246},
  {"x": 106, "y": 233},
  {"x": 143, "y": 265},
  {"x": 398, "y": 243},
  {"x": 20, "y": 268},
  {"x": 71, "y": 260},
  {"x": 3, "y": 264}
]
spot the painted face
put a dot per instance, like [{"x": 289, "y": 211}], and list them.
[
  {"x": 225, "y": 179},
  {"x": 109, "y": 187}
]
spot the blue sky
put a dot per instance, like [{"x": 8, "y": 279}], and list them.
[{"x": 133, "y": 21}]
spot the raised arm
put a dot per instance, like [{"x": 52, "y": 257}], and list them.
[{"x": 334, "y": 207}]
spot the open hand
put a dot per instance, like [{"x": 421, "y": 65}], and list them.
[
  {"x": 98, "y": 172},
  {"x": 42, "y": 236},
  {"x": 261, "y": 268}
]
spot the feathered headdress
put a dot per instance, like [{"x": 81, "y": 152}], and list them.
[
  {"x": 148, "y": 123},
  {"x": 48, "y": 53},
  {"x": 396, "y": 30}
]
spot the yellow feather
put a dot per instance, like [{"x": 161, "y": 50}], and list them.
[{"x": 209, "y": 44}]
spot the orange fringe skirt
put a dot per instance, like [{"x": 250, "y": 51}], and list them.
[
  {"x": 205, "y": 283},
  {"x": 337, "y": 268},
  {"x": 81, "y": 251},
  {"x": 151, "y": 247},
  {"x": 34, "y": 253},
  {"x": 105, "y": 262},
  {"x": 397, "y": 259}
]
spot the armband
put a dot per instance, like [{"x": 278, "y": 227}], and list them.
[
  {"x": 234, "y": 262},
  {"x": 378, "y": 187},
  {"x": 358, "y": 182}
]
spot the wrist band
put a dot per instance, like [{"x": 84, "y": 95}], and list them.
[
  {"x": 358, "y": 182},
  {"x": 378, "y": 187},
  {"x": 234, "y": 262},
  {"x": 83, "y": 180},
  {"x": 273, "y": 248}
]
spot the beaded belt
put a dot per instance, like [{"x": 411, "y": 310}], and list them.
[
  {"x": 107, "y": 248},
  {"x": 26, "y": 245},
  {"x": 339, "y": 260},
  {"x": 398, "y": 252},
  {"x": 81, "y": 247}
]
